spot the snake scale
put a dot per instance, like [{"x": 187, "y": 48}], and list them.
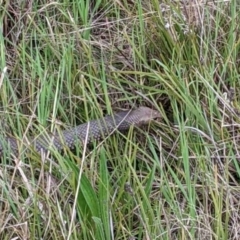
[{"x": 85, "y": 133}]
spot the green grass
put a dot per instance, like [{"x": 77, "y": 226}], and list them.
[{"x": 64, "y": 63}]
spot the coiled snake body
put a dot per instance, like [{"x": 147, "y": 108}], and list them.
[{"x": 86, "y": 132}]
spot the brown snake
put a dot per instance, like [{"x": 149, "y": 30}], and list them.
[{"x": 95, "y": 129}]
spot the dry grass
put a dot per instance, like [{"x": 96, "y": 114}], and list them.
[{"x": 64, "y": 63}]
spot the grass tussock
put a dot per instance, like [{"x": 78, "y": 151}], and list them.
[{"x": 64, "y": 63}]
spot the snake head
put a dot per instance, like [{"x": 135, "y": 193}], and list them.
[{"x": 144, "y": 115}]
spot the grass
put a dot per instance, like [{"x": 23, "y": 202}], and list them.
[{"x": 64, "y": 63}]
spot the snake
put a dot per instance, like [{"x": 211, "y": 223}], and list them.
[{"x": 85, "y": 133}]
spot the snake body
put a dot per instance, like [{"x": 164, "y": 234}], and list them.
[{"x": 85, "y": 133}]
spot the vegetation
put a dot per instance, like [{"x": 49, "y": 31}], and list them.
[{"x": 65, "y": 62}]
